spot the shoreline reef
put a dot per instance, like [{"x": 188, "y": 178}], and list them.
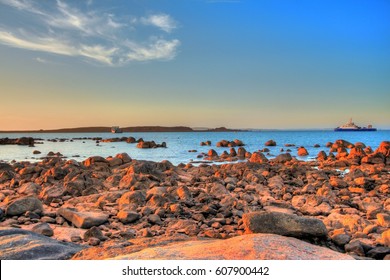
[{"x": 334, "y": 207}]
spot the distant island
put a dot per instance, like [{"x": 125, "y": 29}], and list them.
[{"x": 101, "y": 129}]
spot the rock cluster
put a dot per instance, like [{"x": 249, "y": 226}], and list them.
[
  {"x": 234, "y": 143},
  {"x": 24, "y": 141},
  {"x": 150, "y": 145},
  {"x": 119, "y": 200}
]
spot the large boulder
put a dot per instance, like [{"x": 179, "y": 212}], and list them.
[
  {"x": 384, "y": 148},
  {"x": 18, "y": 244},
  {"x": 95, "y": 160},
  {"x": 282, "y": 158},
  {"x": 283, "y": 224},
  {"x": 83, "y": 219},
  {"x": 258, "y": 157},
  {"x": 22, "y": 205},
  {"x": 246, "y": 247},
  {"x": 302, "y": 152},
  {"x": 270, "y": 143}
]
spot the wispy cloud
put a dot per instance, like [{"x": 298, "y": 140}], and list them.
[
  {"x": 160, "y": 49},
  {"x": 162, "y": 21},
  {"x": 101, "y": 37}
]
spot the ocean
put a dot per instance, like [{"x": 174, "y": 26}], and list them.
[{"x": 179, "y": 144}]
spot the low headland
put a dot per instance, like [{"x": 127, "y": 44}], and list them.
[
  {"x": 334, "y": 207},
  {"x": 102, "y": 129}
]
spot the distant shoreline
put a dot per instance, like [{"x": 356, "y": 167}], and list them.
[{"x": 102, "y": 129}]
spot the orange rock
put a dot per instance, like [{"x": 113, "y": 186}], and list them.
[
  {"x": 302, "y": 152},
  {"x": 356, "y": 190},
  {"x": 245, "y": 247},
  {"x": 384, "y": 148},
  {"x": 258, "y": 157}
]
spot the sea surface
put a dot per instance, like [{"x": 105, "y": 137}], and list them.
[{"x": 179, "y": 144}]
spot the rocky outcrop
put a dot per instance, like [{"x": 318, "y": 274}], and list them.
[
  {"x": 18, "y": 244},
  {"x": 150, "y": 145},
  {"x": 227, "y": 143},
  {"x": 246, "y": 247},
  {"x": 23, "y": 141}
]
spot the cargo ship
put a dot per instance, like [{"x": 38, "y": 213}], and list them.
[{"x": 351, "y": 126}]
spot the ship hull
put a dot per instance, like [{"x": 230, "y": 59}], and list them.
[{"x": 355, "y": 129}]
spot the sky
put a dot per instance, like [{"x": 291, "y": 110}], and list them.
[{"x": 201, "y": 63}]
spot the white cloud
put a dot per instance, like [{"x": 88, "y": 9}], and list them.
[
  {"x": 100, "y": 37},
  {"x": 162, "y": 21},
  {"x": 160, "y": 49}
]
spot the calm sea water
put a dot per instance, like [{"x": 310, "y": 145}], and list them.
[{"x": 178, "y": 144}]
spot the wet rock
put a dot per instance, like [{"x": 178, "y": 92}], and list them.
[
  {"x": 43, "y": 228},
  {"x": 257, "y": 247},
  {"x": 83, "y": 219},
  {"x": 270, "y": 143},
  {"x": 21, "y": 205},
  {"x": 284, "y": 224},
  {"x": 18, "y": 244}
]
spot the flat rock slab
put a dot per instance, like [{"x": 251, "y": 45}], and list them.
[
  {"x": 83, "y": 219},
  {"x": 19, "y": 244},
  {"x": 245, "y": 247},
  {"x": 284, "y": 224}
]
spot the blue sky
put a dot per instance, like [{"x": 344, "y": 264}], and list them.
[{"x": 240, "y": 64}]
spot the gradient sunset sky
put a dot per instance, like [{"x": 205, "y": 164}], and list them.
[{"x": 199, "y": 63}]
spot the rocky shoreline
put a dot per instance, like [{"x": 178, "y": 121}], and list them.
[{"x": 336, "y": 207}]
